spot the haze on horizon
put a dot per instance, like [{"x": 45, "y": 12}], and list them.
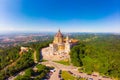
[{"x": 68, "y": 15}]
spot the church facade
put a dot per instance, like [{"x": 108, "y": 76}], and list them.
[{"x": 61, "y": 44}]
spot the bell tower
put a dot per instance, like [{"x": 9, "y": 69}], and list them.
[{"x": 67, "y": 45}]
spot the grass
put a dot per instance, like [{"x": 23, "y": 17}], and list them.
[
  {"x": 67, "y": 76},
  {"x": 43, "y": 60},
  {"x": 1, "y": 50},
  {"x": 80, "y": 79},
  {"x": 64, "y": 62}
]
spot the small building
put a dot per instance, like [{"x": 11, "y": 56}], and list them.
[{"x": 23, "y": 49}]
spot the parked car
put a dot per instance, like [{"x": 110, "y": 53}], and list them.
[
  {"x": 61, "y": 79},
  {"x": 95, "y": 75},
  {"x": 52, "y": 70},
  {"x": 80, "y": 72},
  {"x": 105, "y": 77},
  {"x": 60, "y": 71},
  {"x": 70, "y": 72},
  {"x": 59, "y": 76},
  {"x": 90, "y": 78}
]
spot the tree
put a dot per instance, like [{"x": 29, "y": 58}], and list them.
[{"x": 29, "y": 72}]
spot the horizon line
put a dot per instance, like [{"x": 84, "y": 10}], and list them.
[{"x": 55, "y": 32}]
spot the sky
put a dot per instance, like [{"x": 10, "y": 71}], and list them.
[{"x": 67, "y": 15}]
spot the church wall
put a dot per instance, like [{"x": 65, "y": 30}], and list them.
[{"x": 61, "y": 47}]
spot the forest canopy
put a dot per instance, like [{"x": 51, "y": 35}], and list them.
[{"x": 100, "y": 55}]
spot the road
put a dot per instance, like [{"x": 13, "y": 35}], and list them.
[
  {"x": 12, "y": 64},
  {"x": 20, "y": 73},
  {"x": 62, "y": 67},
  {"x": 35, "y": 59},
  {"x": 58, "y": 67},
  {"x": 23, "y": 71},
  {"x": 54, "y": 76},
  {"x": 73, "y": 69}
]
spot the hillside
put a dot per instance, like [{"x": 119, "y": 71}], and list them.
[{"x": 100, "y": 54}]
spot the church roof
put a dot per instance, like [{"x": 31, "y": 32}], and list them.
[{"x": 59, "y": 34}]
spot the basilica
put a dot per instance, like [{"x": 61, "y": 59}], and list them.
[
  {"x": 61, "y": 44},
  {"x": 59, "y": 49}
]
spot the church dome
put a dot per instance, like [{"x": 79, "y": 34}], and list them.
[{"x": 58, "y": 34}]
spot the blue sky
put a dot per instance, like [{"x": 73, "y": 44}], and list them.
[{"x": 68, "y": 15}]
